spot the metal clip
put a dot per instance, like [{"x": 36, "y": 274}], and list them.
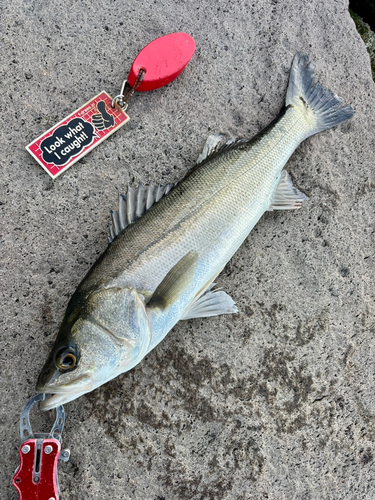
[
  {"x": 127, "y": 91},
  {"x": 36, "y": 477},
  {"x": 120, "y": 99},
  {"x": 25, "y": 426}
]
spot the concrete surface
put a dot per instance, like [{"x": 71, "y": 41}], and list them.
[{"x": 276, "y": 402}]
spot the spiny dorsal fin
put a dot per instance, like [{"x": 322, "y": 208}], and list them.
[
  {"x": 286, "y": 196},
  {"x": 133, "y": 205},
  {"x": 217, "y": 143}
]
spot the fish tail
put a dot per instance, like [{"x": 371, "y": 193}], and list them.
[{"x": 322, "y": 108}]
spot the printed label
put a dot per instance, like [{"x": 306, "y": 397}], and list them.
[{"x": 65, "y": 143}]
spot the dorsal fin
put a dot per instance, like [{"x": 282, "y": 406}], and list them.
[
  {"x": 133, "y": 205},
  {"x": 217, "y": 143}
]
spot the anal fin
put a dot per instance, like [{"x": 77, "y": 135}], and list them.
[
  {"x": 211, "y": 303},
  {"x": 286, "y": 196}
]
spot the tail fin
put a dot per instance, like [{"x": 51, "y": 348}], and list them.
[{"x": 323, "y": 108}]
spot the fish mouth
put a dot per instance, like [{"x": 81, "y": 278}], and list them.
[{"x": 61, "y": 394}]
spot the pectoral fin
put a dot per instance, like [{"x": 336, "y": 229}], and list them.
[
  {"x": 175, "y": 283},
  {"x": 211, "y": 303}
]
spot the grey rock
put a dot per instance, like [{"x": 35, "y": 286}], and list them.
[{"x": 275, "y": 402}]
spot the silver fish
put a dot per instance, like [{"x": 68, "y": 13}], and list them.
[{"x": 168, "y": 245}]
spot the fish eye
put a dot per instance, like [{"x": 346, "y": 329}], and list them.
[{"x": 66, "y": 358}]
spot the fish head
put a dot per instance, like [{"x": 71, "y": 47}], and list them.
[{"x": 99, "y": 338}]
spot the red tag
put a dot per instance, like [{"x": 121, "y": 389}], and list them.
[
  {"x": 65, "y": 143},
  {"x": 163, "y": 60}
]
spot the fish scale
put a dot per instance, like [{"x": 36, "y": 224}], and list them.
[
  {"x": 232, "y": 192},
  {"x": 142, "y": 255}
]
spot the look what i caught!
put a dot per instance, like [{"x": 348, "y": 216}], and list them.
[{"x": 169, "y": 243}]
